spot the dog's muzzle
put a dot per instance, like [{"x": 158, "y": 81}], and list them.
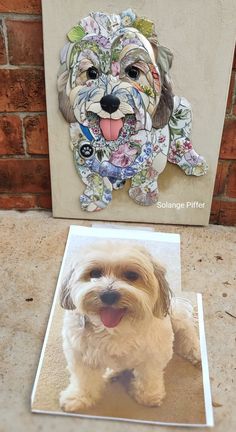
[{"x": 110, "y": 297}]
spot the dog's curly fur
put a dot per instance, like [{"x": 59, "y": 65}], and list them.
[{"x": 142, "y": 337}]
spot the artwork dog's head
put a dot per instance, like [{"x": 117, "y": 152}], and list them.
[
  {"x": 113, "y": 78},
  {"x": 114, "y": 282}
]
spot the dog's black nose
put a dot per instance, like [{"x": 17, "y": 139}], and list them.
[
  {"x": 110, "y": 297},
  {"x": 110, "y": 103}
]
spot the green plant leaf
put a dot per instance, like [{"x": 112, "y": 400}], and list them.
[
  {"x": 76, "y": 33},
  {"x": 145, "y": 26}
]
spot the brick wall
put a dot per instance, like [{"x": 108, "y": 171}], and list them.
[{"x": 24, "y": 165}]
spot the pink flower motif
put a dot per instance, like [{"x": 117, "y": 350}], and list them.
[
  {"x": 115, "y": 68},
  {"x": 161, "y": 139},
  {"x": 188, "y": 144},
  {"x": 124, "y": 156}
]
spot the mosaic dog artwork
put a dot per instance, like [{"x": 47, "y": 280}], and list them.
[{"x": 125, "y": 122}]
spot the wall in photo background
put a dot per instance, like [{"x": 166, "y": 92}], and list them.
[{"x": 24, "y": 164}]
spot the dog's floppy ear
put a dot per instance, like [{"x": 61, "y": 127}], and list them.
[
  {"x": 164, "y": 58},
  {"x": 64, "y": 102},
  {"x": 162, "y": 305},
  {"x": 65, "y": 297},
  {"x": 164, "y": 108}
]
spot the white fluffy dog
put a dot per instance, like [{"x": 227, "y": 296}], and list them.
[{"x": 120, "y": 316}]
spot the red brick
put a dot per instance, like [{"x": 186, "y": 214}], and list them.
[
  {"x": 3, "y": 57},
  {"x": 231, "y": 181},
  {"x": 234, "y": 61},
  {"x": 215, "y": 211},
  {"x": 221, "y": 175},
  {"x": 21, "y": 6},
  {"x": 45, "y": 201},
  {"x": 227, "y": 213},
  {"x": 11, "y": 139},
  {"x": 228, "y": 143},
  {"x": 19, "y": 202},
  {"x": 36, "y": 134},
  {"x": 22, "y": 90},
  {"x": 25, "y": 42},
  {"x": 24, "y": 175},
  {"x": 234, "y": 109},
  {"x": 231, "y": 93}
]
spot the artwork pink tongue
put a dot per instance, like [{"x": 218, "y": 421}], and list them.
[
  {"x": 111, "y": 128},
  {"x": 111, "y": 317}
]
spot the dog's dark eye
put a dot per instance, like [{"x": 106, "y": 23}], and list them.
[
  {"x": 92, "y": 73},
  {"x": 96, "y": 273},
  {"x": 132, "y": 72},
  {"x": 131, "y": 275}
]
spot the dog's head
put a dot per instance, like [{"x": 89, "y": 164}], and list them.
[
  {"x": 114, "y": 282},
  {"x": 113, "y": 78}
]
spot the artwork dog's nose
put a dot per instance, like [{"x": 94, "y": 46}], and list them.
[
  {"x": 110, "y": 297},
  {"x": 110, "y": 103}
]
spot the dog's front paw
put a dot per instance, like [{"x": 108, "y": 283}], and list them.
[
  {"x": 148, "y": 397},
  {"x": 74, "y": 401}
]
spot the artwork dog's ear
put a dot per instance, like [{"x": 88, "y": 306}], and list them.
[
  {"x": 64, "y": 101},
  {"x": 164, "y": 108},
  {"x": 65, "y": 297},
  {"x": 162, "y": 305},
  {"x": 164, "y": 58}
]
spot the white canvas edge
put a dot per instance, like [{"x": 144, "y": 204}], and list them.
[
  {"x": 34, "y": 411},
  {"x": 135, "y": 234},
  {"x": 205, "y": 367}
]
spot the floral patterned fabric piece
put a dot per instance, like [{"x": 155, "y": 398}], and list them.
[{"x": 111, "y": 85}]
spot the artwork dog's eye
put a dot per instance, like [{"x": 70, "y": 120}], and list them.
[
  {"x": 132, "y": 72},
  {"x": 130, "y": 275},
  {"x": 95, "y": 273},
  {"x": 92, "y": 73}
]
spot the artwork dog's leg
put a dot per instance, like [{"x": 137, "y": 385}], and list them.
[
  {"x": 144, "y": 188},
  {"x": 85, "y": 388},
  {"x": 147, "y": 387},
  {"x": 181, "y": 151},
  {"x": 98, "y": 193},
  {"x": 185, "y": 323}
]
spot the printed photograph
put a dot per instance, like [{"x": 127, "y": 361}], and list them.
[{"x": 123, "y": 341}]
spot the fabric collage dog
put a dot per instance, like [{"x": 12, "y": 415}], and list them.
[
  {"x": 125, "y": 122},
  {"x": 120, "y": 315}
]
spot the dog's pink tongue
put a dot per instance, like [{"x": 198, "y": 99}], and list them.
[
  {"x": 110, "y": 128},
  {"x": 111, "y": 317}
]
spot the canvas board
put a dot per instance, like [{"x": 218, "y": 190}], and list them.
[
  {"x": 188, "y": 399},
  {"x": 201, "y": 35}
]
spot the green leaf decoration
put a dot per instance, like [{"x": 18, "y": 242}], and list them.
[
  {"x": 76, "y": 33},
  {"x": 145, "y": 26}
]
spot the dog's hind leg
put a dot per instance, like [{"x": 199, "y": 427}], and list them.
[
  {"x": 144, "y": 188},
  {"x": 181, "y": 151},
  {"x": 184, "y": 324}
]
